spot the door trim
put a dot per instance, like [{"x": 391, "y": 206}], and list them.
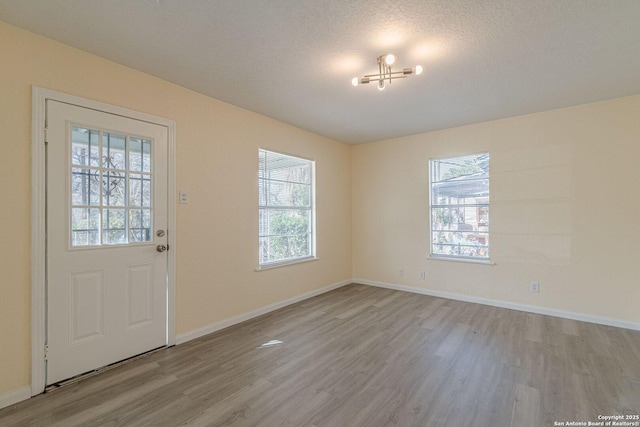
[{"x": 38, "y": 219}]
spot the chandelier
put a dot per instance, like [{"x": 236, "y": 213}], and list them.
[{"x": 385, "y": 74}]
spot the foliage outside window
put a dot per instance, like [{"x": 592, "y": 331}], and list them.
[
  {"x": 460, "y": 207},
  {"x": 286, "y": 208}
]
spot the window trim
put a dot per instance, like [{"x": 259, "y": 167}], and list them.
[
  {"x": 277, "y": 264},
  {"x": 312, "y": 256},
  {"x": 452, "y": 258},
  {"x": 455, "y": 258}
]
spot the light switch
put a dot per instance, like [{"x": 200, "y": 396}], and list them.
[{"x": 184, "y": 197}]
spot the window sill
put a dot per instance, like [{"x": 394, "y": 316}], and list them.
[
  {"x": 467, "y": 260},
  {"x": 285, "y": 263}
]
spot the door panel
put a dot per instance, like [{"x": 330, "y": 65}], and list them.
[
  {"x": 106, "y": 201},
  {"x": 86, "y": 306},
  {"x": 140, "y": 295}
]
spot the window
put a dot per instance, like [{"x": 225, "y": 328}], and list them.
[
  {"x": 286, "y": 208},
  {"x": 460, "y": 207},
  {"x": 111, "y": 188}
]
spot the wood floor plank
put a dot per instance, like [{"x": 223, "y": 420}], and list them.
[
  {"x": 386, "y": 300},
  {"x": 364, "y": 356},
  {"x": 438, "y": 316},
  {"x": 526, "y": 407},
  {"x": 533, "y": 330},
  {"x": 115, "y": 402}
]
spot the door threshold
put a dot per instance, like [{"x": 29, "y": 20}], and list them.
[{"x": 89, "y": 374}]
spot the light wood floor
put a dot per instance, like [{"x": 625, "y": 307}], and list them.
[{"x": 364, "y": 356}]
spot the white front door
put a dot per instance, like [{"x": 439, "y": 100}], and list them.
[{"x": 106, "y": 239}]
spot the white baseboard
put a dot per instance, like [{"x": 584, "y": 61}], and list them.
[
  {"x": 15, "y": 396},
  {"x": 197, "y": 333},
  {"x": 505, "y": 304}
]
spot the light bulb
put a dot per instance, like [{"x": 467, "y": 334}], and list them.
[
  {"x": 390, "y": 59},
  {"x": 381, "y": 85},
  {"x": 355, "y": 81},
  {"x": 418, "y": 70}
]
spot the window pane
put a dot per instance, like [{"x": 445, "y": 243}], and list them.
[
  {"x": 285, "y": 207},
  {"x": 444, "y": 218},
  {"x": 113, "y": 173},
  {"x": 460, "y": 192},
  {"x": 140, "y": 225},
  {"x": 288, "y": 194},
  {"x": 288, "y": 168},
  {"x": 85, "y": 146},
  {"x": 282, "y": 248},
  {"x": 139, "y": 190},
  {"x": 264, "y": 250},
  {"x": 262, "y": 192},
  {"x": 113, "y": 151},
  {"x": 285, "y": 222},
  {"x": 460, "y": 218},
  {"x": 262, "y": 164},
  {"x": 113, "y": 188},
  {"x": 85, "y": 187},
  {"x": 263, "y": 222},
  {"x": 114, "y": 223},
  {"x": 140, "y": 155},
  {"x": 461, "y": 238},
  {"x": 458, "y": 229},
  {"x": 459, "y": 168},
  {"x": 483, "y": 218},
  {"x": 85, "y": 227}
]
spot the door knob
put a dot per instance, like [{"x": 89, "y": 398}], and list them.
[{"x": 161, "y": 248}]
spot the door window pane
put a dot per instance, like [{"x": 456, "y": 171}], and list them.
[
  {"x": 113, "y": 151},
  {"x": 140, "y": 155},
  {"x": 110, "y": 198},
  {"x": 85, "y": 187},
  {"x": 85, "y": 147},
  {"x": 85, "y": 227},
  {"x": 113, "y": 226},
  {"x": 140, "y": 190},
  {"x": 113, "y": 188},
  {"x": 139, "y": 225}
]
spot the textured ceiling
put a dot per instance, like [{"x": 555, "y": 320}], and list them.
[{"x": 293, "y": 60}]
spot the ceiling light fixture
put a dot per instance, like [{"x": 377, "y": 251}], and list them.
[{"x": 385, "y": 73}]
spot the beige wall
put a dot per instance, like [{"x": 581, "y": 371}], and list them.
[
  {"x": 565, "y": 210},
  {"x": 217, "y": 160}
]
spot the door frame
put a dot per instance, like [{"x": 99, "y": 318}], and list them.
[{"x": 38, "y": 219}]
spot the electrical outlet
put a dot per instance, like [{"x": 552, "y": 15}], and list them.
[
  {"x": 400, "y": 272},
  {"x": 422, "y": 275},
  {"x": 534, "y": 287}
]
